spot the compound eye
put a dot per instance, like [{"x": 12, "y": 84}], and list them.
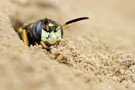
[{"x": 50, "y": 25}]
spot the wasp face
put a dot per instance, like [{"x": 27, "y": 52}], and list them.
[{"x": 52, "y": 34}]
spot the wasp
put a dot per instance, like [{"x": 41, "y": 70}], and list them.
[{"x": 45, "y": 32}]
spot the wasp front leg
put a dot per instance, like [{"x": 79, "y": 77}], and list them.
[
  {"x": 44, "y": 45},
  {"x": 23, "y": 34}
]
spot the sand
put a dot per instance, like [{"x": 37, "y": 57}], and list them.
[{"x": 96, "y": 54}]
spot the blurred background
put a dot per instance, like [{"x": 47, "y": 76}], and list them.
[{"x": 96, "y": 54}]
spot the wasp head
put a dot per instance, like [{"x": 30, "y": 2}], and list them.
[{"x": 52, "y": 33}]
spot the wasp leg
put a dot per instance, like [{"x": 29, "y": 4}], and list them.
[
  {"x": 23, "y": 34},
  {"x": 44, "y": 46}
]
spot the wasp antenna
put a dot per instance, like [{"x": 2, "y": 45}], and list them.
[{"x": 75, "y": 20}]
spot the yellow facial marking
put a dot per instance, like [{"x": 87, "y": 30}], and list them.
[
  {"x": 50, "y": 25},
  {"x": 47, "y": 28},
  {"x": 44, "y": 35}
]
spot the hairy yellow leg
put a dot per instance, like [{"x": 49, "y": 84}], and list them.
[{"x": 25, "y": 37}]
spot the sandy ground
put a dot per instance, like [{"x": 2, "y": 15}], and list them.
[{"x": 97, "y": 54}]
